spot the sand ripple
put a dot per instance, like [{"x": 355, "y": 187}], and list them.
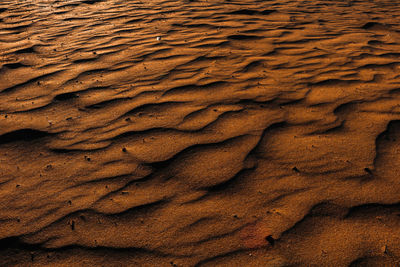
[{"x": 199, "y": 133}]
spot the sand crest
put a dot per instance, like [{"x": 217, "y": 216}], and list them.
[{"x": 199, "y": 133}]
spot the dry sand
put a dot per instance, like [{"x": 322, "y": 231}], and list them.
[{"x": 199, "y": 133}]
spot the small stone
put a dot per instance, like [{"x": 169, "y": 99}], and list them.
[
  {"x": 368, "y": 170},
  {"x": 158, "y": 38},
  {"x": 295, "y": 169}
]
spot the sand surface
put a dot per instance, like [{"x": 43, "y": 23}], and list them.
[{"x": 199, "y": 133}]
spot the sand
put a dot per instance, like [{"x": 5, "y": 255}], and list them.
[{"x": 199, "y": 133}]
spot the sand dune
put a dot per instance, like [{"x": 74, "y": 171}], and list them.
[{"x": 199, "y": 133}]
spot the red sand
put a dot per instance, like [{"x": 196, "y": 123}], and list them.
[{"x": 251, "y": 133}]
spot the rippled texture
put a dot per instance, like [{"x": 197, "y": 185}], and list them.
[{"x": 199, "y": 133}]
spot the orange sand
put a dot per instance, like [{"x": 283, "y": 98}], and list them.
[{"x": 251, "y": 133}]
